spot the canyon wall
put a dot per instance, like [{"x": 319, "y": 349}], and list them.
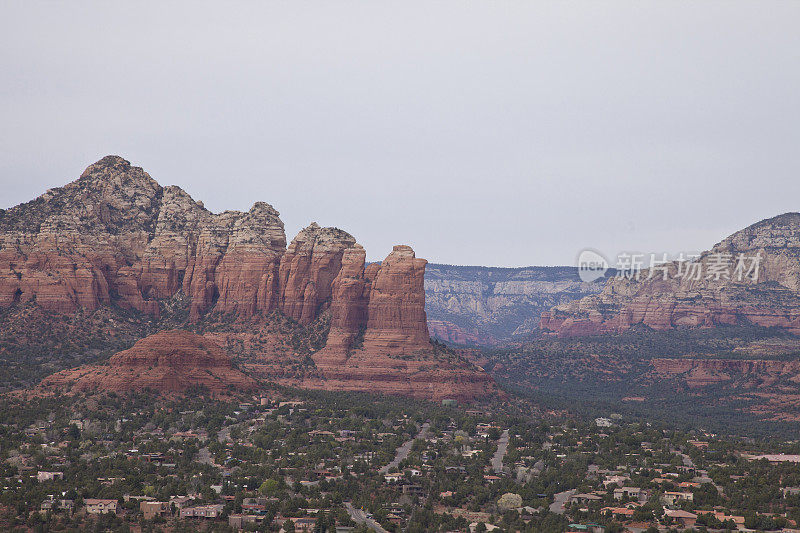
[
  {"x": 768, "y": 296},
  {"x": 488, "y": 306}
]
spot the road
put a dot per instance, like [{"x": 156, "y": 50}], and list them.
[
  {"x": 687, "y": 461},
  {"x": 404, "y": 450},
  {"x": 361, "y": 518},
  {"x": 560, "y": 499},
  {"x": 502, "y": 448}
]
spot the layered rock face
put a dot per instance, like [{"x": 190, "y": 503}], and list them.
[
  {"x": 349, "y": 300},
  {"x": 426, "y": 376},
  {"x": 769, "y": 297},
  {"x": 455, "y": 334},
  {"x": 396, "y": 320},
  {"x": 116, "y": 238},
  {"x": 487, "y": 306},
  {"x": 386, "y": 303},
  {"x": 167, "y": 362},
  {"x": 308, "y": 268},
  {"x": 742, "y": 373}
]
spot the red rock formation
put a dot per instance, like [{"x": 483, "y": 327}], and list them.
[
  {"x": 427, "y": 376},
  {"x": 167, "y": 362},
  {"x": 235, "y": 269},
  {"x": 308, "y": 268},
  {"x": 452, "y": 333},
  {"x": 349, "y": 298},
  {"x": 387, "y": 302},
  {"x": 396, "y": 321},
  {"x": 116, "y": 237},
  {"x": 770, "y": 300},
  {"x": 746, "y": 373}
]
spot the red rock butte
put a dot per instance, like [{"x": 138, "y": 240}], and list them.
[
  {"x": 115, "y": 237},
  {"x": 166, "y": 362}
]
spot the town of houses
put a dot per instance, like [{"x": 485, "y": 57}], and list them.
[{"x": 313, "y": 462}]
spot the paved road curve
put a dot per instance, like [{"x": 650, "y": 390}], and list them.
[
  {"x": 404, "y": 450},
  {"x": 361, "y": 518},
  {"x": 502, "y": 448},
  {"x": 560, "y": 499}
]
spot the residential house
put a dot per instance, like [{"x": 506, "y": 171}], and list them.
[
  {"x": 51, "y": 504},
  {"x": 152, "y": 509},
  {"x": 202, "y": 511},
  {"x": 673, "y": 498},
  {"x": 49, "y": 476},
  {"x": 254, "y": 505},
  {"x": 99, "y": 506},
  {"x": 181, "y": 501},
  {"x": 684, "y": 518},
  {"x": 617, "y": 512},
  {"x": 627, "y": 492},
  {"x": 584, "y": 499},
  {"x": 300, "y": 523},
  {"x": 615, "y": 480},
  {"x": 413, "y": 490},
  {"x": 238, "y": 521},
  {"x": 722, "y": 517}
]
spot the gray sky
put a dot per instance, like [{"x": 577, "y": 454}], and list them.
[{"x": 495, "y": 133}]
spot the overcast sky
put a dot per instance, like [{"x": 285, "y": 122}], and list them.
[{"x": 492, "y": 133}]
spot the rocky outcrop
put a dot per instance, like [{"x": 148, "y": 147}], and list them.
[
  {"x": 455, "y": 334},
  {"x": 432, "y": 376},
  {"x": 379, "y": 340},
  {"x": 488, "y": 306},
  {"x": 741, "y": 373},
  {"x": 396, "y": 321},
  {"x": 308, "y": 269},
  {"x": 349, "y": 299},
  {"x": 235, "y": 266},
  {"x": 768, "y": 297},
  {"x": 166, "y": 362},
  {"x": 116, "y": 239},
  {"x": 116, "y": 236}
]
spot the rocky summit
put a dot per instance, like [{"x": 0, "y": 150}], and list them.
[
  {"x": 116, "y": 239},
  {"x": 766, "y": 296}
]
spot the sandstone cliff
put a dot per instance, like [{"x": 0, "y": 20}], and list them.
[
  {"x": 772, "y": 299},
  {"x": 117, "y": 236},
  {"x": 116, "y": 239}
]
